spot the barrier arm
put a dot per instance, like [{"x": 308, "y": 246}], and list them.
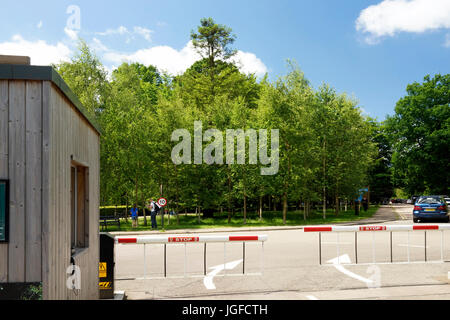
[
  {"x": 167, "y": 240},
  {"x": 379, "y": 228}
]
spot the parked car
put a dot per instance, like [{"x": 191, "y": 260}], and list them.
[
  {"x": 447, "y": 201},
  {"x": 431, "y": 208}
]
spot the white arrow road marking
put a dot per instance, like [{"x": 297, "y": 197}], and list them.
[
  {"x": 208, "y": 280},
  {"x": 345, "y": 259}
]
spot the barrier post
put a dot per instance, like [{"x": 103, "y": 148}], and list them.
[
  {"x": 320, "y": 248},
  {"x": 204, "y": 260},
  {"x": 165, "y": 260},
  {"x": 408, "y": 248},
  {"x": 224, "y": 259},
  {"x": 338, "y": 244},
  {"x": 391, "y": 246},
  {"x": 442, "y": 245},
  {"x": 356, "y": 247},
  {"x": 373, "y": 247},
  {"x": 262, "y": 258},
  {"x": 425, "y": 233},
  {"x": 243, "y": 258},
  {"x": 185, "y": 259}
]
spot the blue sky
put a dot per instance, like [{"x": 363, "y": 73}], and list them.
[{"x": 368, "y": 49}]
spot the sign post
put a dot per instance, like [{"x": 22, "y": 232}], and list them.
[{"x": 162, "y": 202}]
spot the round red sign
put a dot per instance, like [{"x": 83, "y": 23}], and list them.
[{"x": 162, "y": 202}]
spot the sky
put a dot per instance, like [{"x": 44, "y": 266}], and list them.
[{"x": 368, "y": 49}]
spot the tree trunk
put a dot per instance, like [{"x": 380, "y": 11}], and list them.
[
  {"x": 260, "y": 208},
  {"x": 229, "y": 194},
  {"x": 126, "y": 209},
  {"x": 324, "y": 209},
  {"x": 245, "y": 208},
  {"x": 304, "y": 211},
  {"x": 176, "y": 196},
  {"x": 336, "y": 210},
  {"x": 285, "y": 207}
]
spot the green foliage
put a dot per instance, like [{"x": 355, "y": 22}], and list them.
[
  {"x": 380, "y": 174},
  {"x": 213, "y": 40},
  {"x": 326, "y": 145},
  {"x": 21, "y": 291},
  {"x": 420, "y": 136},
  {"x": 87, "y": 78}
]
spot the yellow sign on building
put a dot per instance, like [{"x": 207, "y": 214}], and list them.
[{"x": 102, "y": 270}]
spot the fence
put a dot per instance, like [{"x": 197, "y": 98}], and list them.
[
  {"x": 170, "y": 240},
  {"x": 381, "y": 228}
]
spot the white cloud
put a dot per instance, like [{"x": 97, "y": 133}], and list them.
[
  {"x": 164, "y": 57},
  {"x": 40, "y": 52},
  {"x": 40, "y": 24},
  {"x": 394, "y": 16},
  {"x": 131, "y": 34},
  {"x": 98, "y": 46},
  {"x": 249, "y": 63},
  {"x": 175, "y": 62},
  {"x": 145, "y": 33},
  {"x": 120, "y": 30},
  {"x": 72, "y": 34}
]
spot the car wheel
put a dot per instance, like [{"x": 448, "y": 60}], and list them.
[{"x": 416, "y": 220}]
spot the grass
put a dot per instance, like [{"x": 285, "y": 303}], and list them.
[{"x": 270, "y": 219}]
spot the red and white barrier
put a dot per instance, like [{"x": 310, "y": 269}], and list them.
[
  {"x": 188, "y": 239},
  {"x": 378, "y": 228},
  {"x": 168, "y": 240}
]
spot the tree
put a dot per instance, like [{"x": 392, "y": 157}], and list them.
[
  {"x": 213, "y": 41},
  {"x": 420, "y": 135},
  {"x": 283, "y": 106},
  {"x": 380, "y": 173},
  {"x": 87, "y": 78}
]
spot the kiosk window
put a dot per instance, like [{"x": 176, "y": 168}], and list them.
[{"x": 79, "y": 207}]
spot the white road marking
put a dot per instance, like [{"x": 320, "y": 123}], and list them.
[
  {"x": 208, "y": 280},
  {"x": 345, "y": 259},
  {"x": 312, "y": 298}
]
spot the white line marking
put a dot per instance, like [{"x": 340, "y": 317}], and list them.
[
  {"x": 208, "y": 280},
  {"x": 312, "y": 298},
  {"x": 345, "y": 259}
]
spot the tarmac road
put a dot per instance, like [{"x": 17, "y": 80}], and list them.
[{"x": 289, "y": 269}]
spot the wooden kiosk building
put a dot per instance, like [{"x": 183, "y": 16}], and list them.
[{"x": 49, "y": 184}]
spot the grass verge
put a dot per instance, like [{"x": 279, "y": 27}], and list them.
[{"x": 270, "y": 219}]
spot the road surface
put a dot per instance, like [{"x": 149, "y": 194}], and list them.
[{"x": 287, "y": 268}]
